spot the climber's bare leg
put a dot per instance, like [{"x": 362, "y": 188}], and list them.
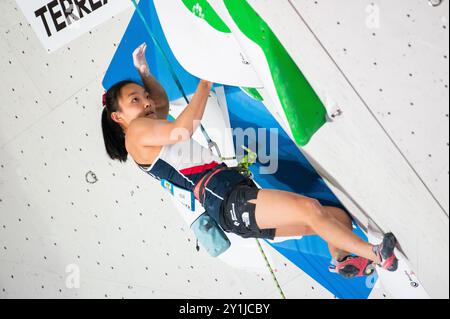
[{"x": 284, "y": 210}]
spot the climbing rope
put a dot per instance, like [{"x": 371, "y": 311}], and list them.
[
  {"x": 211, "y": 144},
  {"x": 271, "y": 270},
  {"x": 243, "y": 165}
]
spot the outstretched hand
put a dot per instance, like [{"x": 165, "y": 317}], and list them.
[
  {"x": 206, "y": 83},
  {"x": 139, "y": 59}
]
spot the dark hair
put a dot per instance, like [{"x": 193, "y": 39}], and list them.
[{"x": 113, "y": 134}]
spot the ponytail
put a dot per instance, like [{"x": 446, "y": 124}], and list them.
[{"x": 113, "y": 134}]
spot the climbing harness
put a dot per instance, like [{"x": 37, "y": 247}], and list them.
[{"x": 243, "y": 166}]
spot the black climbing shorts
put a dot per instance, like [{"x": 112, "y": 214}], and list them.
[{"x": 238, "y": 216}]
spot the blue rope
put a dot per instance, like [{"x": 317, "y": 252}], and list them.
[{"x": 211, "y": 143}]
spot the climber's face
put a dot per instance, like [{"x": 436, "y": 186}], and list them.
[{"x": 134, "y": 102}]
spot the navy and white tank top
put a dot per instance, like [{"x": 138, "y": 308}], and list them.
[{"x": 185, "y": 163}]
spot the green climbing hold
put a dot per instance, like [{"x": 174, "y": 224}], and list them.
[
  {"x": 304, "y": 110},
  {"x": 253, "y": 92}
]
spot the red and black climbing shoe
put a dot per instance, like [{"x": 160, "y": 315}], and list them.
[
  {"x": 385, "y": 251},
  {"x": 354, "y": 266}
]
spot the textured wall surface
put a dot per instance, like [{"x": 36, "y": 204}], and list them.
[
  {"x": 121, "y": 234},
  {"x": 395, "y": 54}
]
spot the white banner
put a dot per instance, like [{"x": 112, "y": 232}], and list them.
[{"x": 57, "y": 22}]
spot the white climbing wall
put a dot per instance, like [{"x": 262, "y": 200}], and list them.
[
  {"x": 121, "y": 236},
  {"x": 395, "y": 54},
  {"x": 385, "y": 64},
  {"x": 388, "y": 60}
]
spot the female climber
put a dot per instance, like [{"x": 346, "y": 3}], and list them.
[{"x": 134, "y": 121}]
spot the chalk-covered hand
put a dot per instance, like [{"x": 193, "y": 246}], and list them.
[
  {"x": 139, "y": 60},
  {"x": 206, "y": 83}
]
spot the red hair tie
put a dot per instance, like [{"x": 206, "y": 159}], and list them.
[{"x": 104, "y": 99}]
